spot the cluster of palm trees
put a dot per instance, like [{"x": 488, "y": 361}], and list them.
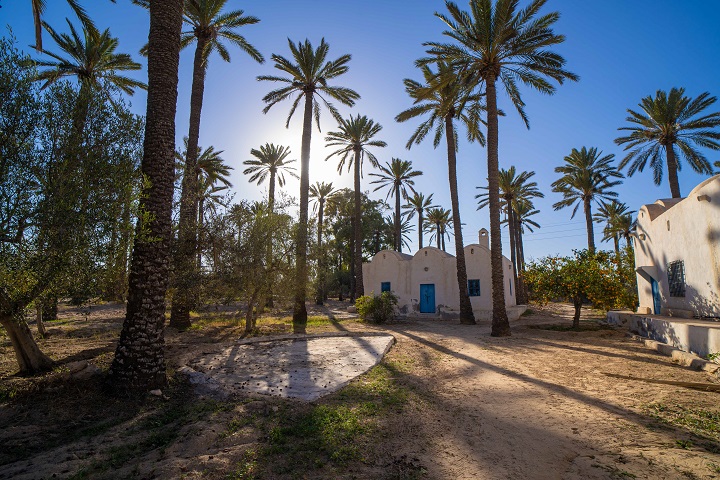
[{"x": 495, "y": 45}]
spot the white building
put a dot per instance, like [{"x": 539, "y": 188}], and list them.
[
  {"x": 677, "y": 254},
  {"x": 427, "y": 281}
]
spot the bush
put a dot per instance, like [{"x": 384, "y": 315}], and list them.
[{"x": 377, "y": 309}]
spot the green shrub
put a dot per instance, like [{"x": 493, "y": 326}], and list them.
[{"x": 377, "y": 309}]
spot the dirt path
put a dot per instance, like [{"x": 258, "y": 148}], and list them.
[
  {"x": 448, "y": 402},
  {"x": 539, "y": 405}
]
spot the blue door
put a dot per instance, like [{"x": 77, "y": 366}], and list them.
[
  {"x": 427, "y": 298},
  {"x": 656, "y": 296}
]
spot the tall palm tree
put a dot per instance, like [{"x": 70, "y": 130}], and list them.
[
  {"x": 321, "y": 192},
  {"x": 352, "y": 141},
  {"x": 586, "y": 178},
  {"x": 271, "y": 160},
  {"x": 609, "y": 212},
  {"x": 665, "y": 123},
  {"x": 418, "y": 204},
  {"x": 208, "y": 26},
  {"x": 307, "y": 79},
  {"x": 444, "y": 97},
  {"x": 514, "y": 188},
  {"x": 397, "y": 176},
  {"x": 624, "y": 226},
  {"x": 498, "y": 42},
  {"x": 139, "y": 362},
  {"x": 405, "y": 228},
  {"x": 438, "y": 220}
]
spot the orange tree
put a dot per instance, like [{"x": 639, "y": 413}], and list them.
[{"x": 606, "y": 279}]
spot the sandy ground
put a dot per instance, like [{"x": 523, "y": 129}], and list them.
[{"x": 537, "y": 405}]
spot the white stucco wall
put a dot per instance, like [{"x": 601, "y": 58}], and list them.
[
  {"x": 688, "y": 230},
  {"x": 430, "y": 265}
]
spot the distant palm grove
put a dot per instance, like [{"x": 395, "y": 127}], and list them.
[{"x": 96, "y": 202}]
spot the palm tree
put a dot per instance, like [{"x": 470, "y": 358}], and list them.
[
  {"x": 139, "y": 362},
  {"x": 496, "y": 41},
  {"x": 271, "y": 160},
  {"x": 514, "y": 188},
  {"x": 38, "y": 9},
  {"x": 665, "y": 123},
  {"x": 624, "y": 226},
  {"x": 524, "y": 212},
  {"x": 397, "y": 176},
  {"x": 321, "y": 192},
  {"x": 92, "y": 60},
  {"x": 209, "y": 26},
  {"x": 419, "y": 204},
  {"x": 444, "y": 97},
  {"x": 610, "y": 212},
  {"x": 405, "y": 228},
  {"x": 308, "y": 78},
  {"x": 585, "y": 178},
  {"x": 352, "y": 141},
  {"x": 437, "y": 221}
]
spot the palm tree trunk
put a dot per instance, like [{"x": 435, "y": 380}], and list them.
[
  {"x": 357, "y": 260},
  {"x": 398, "y": 233},
  {"x": 139, "y": 362},
  {"x": 500, "y": 323},
  {"x": 269, "y": 302},
  {"x": 420, "y": 231},
  {"x": 587, "y": 207},
  {"x": 437, "y": 234},
  {"x": 522, "y": 296},
  {"x": 300, "y": 310},
  {"x": 672, "y": 171},
  {"x": 616, "y": 240},
  {"x": 466, "y": 311},
  {"x": 186, "y": 274},
  {"x": 320, "y": 294},
  {"x": 513, "y": 245},
  {"x": 200, "y": 225}
]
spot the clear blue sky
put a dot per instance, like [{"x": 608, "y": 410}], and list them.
[{"x": 623, "y": 50}]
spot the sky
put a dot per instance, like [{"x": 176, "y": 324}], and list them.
[{"x": 622, "y": 50}]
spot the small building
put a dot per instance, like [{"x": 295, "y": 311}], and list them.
[
  {"x": 677, "y": 254},
  {"x": 427, "y": 281}
]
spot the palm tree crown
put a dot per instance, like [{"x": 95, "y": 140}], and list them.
[
  {"x": 419, "y": 204},
  {"x": 309, "y": 75},
  {"x": 397, "y": 176},
  {"x": 585, "y": 179},
  {"x": 210, "y": 26},
  {"x": 443, "y": 96},
  {"x": 270, "y": 159},
  {"x": 91, "y": 58},
  {"x": 615, "y": 215},
  {"x": 666, "y": 123}
]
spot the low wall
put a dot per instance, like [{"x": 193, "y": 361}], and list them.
[{"x": 695, "y": 336}]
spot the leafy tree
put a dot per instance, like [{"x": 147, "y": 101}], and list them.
[
  {"x": 352, "y": 141},
  {"x": 139, "y": 362},
  {"x": 209, "y": 26},
  {"x": 418, "y": 204},
  {"x": 271, "y": 160},
  {"x": 607, "y": 280},
  {"x": 321, "y": 192},
  {"x": 307, "y": 79},
  {"x": 586, "y": 178},
  {"x": 55, "y": 225},
  {"x": 496, "y": 41},
  {"x": 397, "y": 176},
  {"x": 445, "y": 98},
  {"x": 668, "y": 122},
  {"x": 515, "y": 188}
]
